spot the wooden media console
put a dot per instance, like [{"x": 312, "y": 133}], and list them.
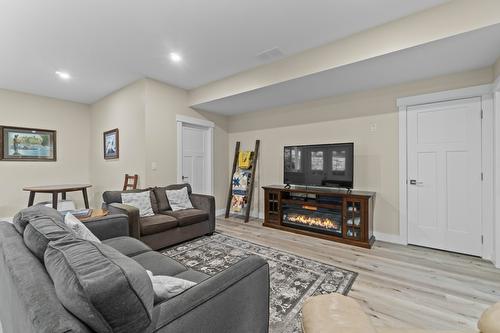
[{"x": 339, "y": 215}]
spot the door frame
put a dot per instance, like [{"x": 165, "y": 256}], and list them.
[
  {"x": 200, "y": 123},
  {"x": 496, "y": 170},
  {"x": 485, "y": 93}
]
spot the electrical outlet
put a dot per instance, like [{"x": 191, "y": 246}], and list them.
[
  {"x": 373, "y": 127},
  {"x": 153, "y": 166}
]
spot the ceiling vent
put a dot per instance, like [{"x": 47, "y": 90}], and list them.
[{"x": 270, "y": 55}]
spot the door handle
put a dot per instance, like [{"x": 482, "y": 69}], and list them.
[
  {"x": 184, "y": 177},
  {"x": 414, "y": 182}
]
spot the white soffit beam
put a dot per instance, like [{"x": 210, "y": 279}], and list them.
[{"x": 447, "y": 20}]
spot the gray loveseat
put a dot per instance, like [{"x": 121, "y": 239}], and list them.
[
  {"x": 165, "y": 227},
  {"x": 35, "y": 283}
]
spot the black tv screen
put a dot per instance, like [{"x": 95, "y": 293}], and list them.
[{"x": 319, "y": 165}]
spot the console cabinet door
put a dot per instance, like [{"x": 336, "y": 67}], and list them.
[
  {"x": 272, "y": 202},
  {"x": 354, "y": 222}
]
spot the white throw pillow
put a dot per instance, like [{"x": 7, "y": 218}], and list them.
[
  {"x": 141, "y": 201},
  {"x": 179, "y": 199},
  {"x": 166, "y": 287},
  {"x": 79, "y": 228}
]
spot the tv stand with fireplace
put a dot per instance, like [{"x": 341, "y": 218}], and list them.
[{"x": 339, "y": 215}]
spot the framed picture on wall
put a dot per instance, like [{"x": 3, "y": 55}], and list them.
[
  {"x": 27, "y": 144},
  {"x": 111, "y": 142}
]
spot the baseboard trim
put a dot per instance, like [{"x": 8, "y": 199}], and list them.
[
  {"x": 253, "y": 214},
  {"x": 389, "y": 238}
]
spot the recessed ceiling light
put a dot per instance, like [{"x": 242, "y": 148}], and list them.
[
  {"x": 175, "y": 57},
  {"x": 63, "y": 75}
]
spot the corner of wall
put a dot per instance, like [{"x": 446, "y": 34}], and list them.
[
  {"x": 496, "y": 69},
  {"x": 123, "y": 109}
]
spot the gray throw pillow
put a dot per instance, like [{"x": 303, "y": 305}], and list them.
[
  {"x": 139, "y": 200},
  {"x": 179, "y": 199},
  {"x": 42, "y": 230},
  {"x": 166, "y": 287},
  {"x": 80, "y": 230},
  {"x": 100, "y": 286},
  {"x": 22, "y": 218}
]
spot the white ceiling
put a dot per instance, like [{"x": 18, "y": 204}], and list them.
[
  {"x": 106, "y": 44},
  {"x": 463, "y": 52}
]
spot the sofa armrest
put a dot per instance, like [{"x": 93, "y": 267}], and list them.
[
  {"x": 109, "y": 226},
  {"x": 132, "y": 214},
  {"x": 207, "y": 204},
  {"x": 235, "y": 300}
]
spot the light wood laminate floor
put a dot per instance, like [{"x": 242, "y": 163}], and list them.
[{"x": 398, "y": 286}]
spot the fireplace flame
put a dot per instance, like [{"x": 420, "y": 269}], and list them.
[{"x": 323, "y": 222}]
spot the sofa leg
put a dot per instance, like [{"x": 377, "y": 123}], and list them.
[{"x": 209, "y": 234}]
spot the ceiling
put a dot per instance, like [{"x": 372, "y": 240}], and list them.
[
  {"x": 467, "y": 51},
  {"x": 106, "y": 44}
]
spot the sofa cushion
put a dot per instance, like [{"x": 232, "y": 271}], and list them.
[
  {"x": 127, "y": 245},
  {"x": 157, "y": 223},
  {"x": 103, "y": 288},
  {"x": 161, "y": 195},
  {"x": 188, "y": 216},
  {"x": 180, "y": 186},
  {"x": 116, "y": 197},
  {"x": 161, "y": 198},
  {"x": 28, "y": 300},
  {"x": 159, "y": 264},
  {"x": 139, "y": 200},
  {"x": 22, "y": 218},
  {"x": 179, "y": 199},
  {"x": 40, "y": 231}
]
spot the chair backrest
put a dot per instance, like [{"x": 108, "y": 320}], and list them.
[{"x": 130, "y": 182}]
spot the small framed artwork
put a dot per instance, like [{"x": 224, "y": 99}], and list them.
[
  {"x": 27, "y": 144},
  {"x": 111, "y": 141}
]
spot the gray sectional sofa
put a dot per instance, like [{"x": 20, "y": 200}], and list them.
[
  {"x": 166, "y": 227},
  {"x": 53, "y": 282}
]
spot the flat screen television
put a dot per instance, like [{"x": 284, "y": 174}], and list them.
[{"x": 319, "y": 165}]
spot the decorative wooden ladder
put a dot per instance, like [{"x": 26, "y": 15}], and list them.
[{"x": 251, "y": 178}]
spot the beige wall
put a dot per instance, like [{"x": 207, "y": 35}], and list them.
[
  {"x": 163, "y": 104},
  {"x": 341, "y": 119},
  {"x": 72, "y": 123},
  {"x": 145, "y": 113},
  {"x": 124, "y": 109}
]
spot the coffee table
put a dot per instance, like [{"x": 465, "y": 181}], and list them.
[{"x": 55, "y": 190}]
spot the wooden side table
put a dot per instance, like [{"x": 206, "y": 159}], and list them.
[{"x": 55, "y": 190}]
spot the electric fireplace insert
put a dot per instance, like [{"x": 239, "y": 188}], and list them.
[{"x": 326, "y": 221}]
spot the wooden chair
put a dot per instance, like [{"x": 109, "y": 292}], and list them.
[{"x": 128, "y": 185}]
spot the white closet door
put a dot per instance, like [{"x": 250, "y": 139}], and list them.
[
  {"x": 444, "y": 175},
  {"x": 194, "y": 158}
]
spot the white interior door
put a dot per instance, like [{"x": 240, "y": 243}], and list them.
[
  {"x": 195, "y": 157},
  {"x": 444, "y": 175}
]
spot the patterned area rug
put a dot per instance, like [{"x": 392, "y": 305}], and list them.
[{"x": 293, "y": 278}]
